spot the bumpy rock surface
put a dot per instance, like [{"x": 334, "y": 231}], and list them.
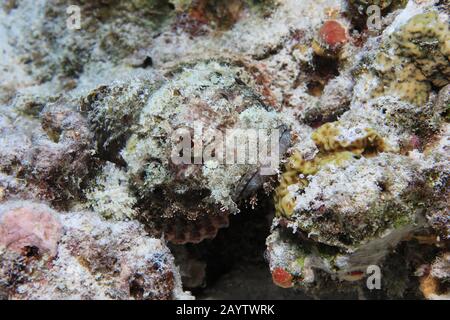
[{"x": 46, "y": 255}]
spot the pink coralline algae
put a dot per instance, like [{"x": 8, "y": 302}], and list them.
[{"x": 30, "y": 226}]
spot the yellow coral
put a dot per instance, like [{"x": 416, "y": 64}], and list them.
[
  {"x": 332, "y": 151},
  {"x": 425, "y": 40},
  {"x": 408, "y": 82},
  {"x": 327, "y": 140},
  {"x": 421, "y": 59}
]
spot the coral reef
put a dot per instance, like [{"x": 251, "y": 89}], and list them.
[
  {"x": 46, "y": 144},
  {"x": 112, "y": 29},
  {"x": 121, "y": 130},
  {"x": 345, "y": 218},
  {"x": 420, "y": 47},
  {"x": 46, "y": 255}
]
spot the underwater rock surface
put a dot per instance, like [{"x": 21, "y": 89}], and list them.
[
  {"x": 81, "y": 256},
  {"x": 98, "y": 200}
]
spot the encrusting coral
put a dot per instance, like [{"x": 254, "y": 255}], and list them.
[
  {"x": 51, "y": 150},
  {"x": 415, "y": 58},
  {"x": 333, "y": 151}
]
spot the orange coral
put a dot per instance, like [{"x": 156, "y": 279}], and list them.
[
  {"x": 282, "y": 278},
  {"x": 333, "y": 34}
]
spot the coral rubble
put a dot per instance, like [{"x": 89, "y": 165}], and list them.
[{"x": 46, "y": 255}]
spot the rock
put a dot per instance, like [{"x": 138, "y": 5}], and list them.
[{"x": 90, "y": 257}]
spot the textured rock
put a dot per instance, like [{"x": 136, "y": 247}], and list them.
[{"x": 81, "y": 257}]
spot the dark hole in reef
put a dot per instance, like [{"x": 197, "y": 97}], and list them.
[
  {"x": 158, "y": 194},
  {"x": 358, "y": 21},
  {"x": 446, "y": 114},
  {"x": 147, "y": 62},
  {"x": 382, "y": 185},
  {"x": 315, "y": 88},
  {"x": 240, "y": 245},
  {"x": 31, "y": 251},
  {"x": 170, "y": 5},
  {"x": 345, "y": 239},
  {"x": 136, "y": 286},
  {"x": 324, "y": 69},
  {"x": 371, "y": 151}
]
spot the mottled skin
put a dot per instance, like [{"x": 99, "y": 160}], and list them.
[{"x": 183, "y": 200}]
